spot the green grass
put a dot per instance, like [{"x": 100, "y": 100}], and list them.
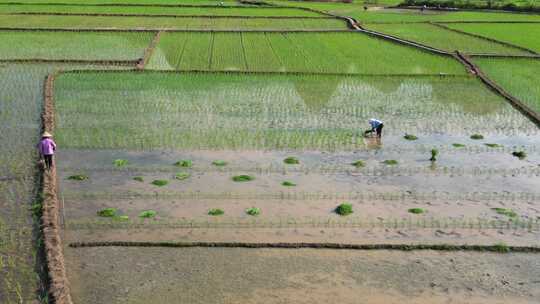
[
  {"x": 120, "y": 162},
  {"x": 518, "y": 77},
  {"x": 160, "y": 182},
  {"x": 148, "y": 214},
  {"x": 302, "y": 114},
  {"x": 107, "y": 212},
  {"x": 195, "y": 23},
  {"x": 78, "y": 177},
  {"x": 253, "y": 211},
  {"x": 297, "y": 52},
  {"x": 72, "y": 45},
  {"x": 416, "y": 210},
  {"x": 504, "y": 211},
  {"x": 288, "y": 184},
  {"x": 243, "y": 178},
  {"x": 524, "y": 35},
  {"x": 344, "y": 209},
  {"x": 444, "y": 39},
  {"x": 216, "y": 212}
]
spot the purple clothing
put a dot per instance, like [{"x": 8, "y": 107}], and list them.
[{"x": 46, "y": 146}]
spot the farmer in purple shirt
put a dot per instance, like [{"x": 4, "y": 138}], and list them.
[{"x": 46, "y": 149}]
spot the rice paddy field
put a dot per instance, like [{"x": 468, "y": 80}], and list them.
[{"x": 189, "y": 126}]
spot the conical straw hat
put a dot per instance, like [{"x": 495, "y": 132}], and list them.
[{"x": 46, "y": 134}]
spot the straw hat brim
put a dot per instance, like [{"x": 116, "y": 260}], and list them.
[{"x": 46, "y": 134}]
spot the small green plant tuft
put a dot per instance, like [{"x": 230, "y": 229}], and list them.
[
  {"x": 492, "y": 145},
  {"x": 344, "y": 209},
  {"x": 519, "y": 154},
  {"x": 288, "y": 184},
  {"x": 243, "y": 178},
  {"x": 434, "y": 153},
  {"x": 504, "y": 211},
  {"x": 122, "y": 218},
  {"x": 458, "y": 145},
  {"x": 291, "y": 160},
  {"x": 501, "y": 247},
  {"x": 477, "y": 136},
  {"x": 36, "y": 209},
  {"x": 253, "y": 211},
  {"x": 219, "y": 163},
  {"x": 184, "y": 163},
  {"x": 147, "y": 214},
  {"x": 120, "y": 162},
  {"x": 410, "y": 137},
  {"x": 107, "y": 212},
  {"x": 160, "y": 182},
  {"x": 416, "y": 210},
  {"x": 359, "y": 164},
  {"x": 390, "y": 162},
  {"x": 138, "y": 178},
  {"x": 215, "y": 212},
  {"x": 182, "y": 175},
  {"x": 78, "y": 177}
]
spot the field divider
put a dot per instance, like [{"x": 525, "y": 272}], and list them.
[
  {"x": 50, "y": 225},
  {"x": 504, "y": 56},
  {"x": 148, "y": 51},
  {"x": 282, "y": 245},
  {"x": 440, "y": 25},
  {"x": 518, "y": 104},
  {"x": 168, "y": 30},
  {"x": 165, "y": 15},
  {"x": 74, "y": 61},
  {"x": 115, "y": 4}
]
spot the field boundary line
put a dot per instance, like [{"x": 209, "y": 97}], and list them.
[
  {"x": 166, "y": 16},
  {"x": 149, "y": 51},
  {"x": 406, "y": 247},
  {"x": 518, "y": 104},
  {"x": 484, "y": 38},
  {"x": 73, "y": 61},
  {"x": 168, "y": 30},
  {"x": 59, "y": 284},
  {"x": 267, "y": 6},
  {"x": 504, "y": 56}
]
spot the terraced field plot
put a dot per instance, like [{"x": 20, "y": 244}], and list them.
[
  {"x": 72, "y": 45},
  {"x": 443, "y": 39},
  {"x": 295, "y": 52}
]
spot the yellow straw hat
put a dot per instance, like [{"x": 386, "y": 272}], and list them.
[{"x": 46, "y": 134}]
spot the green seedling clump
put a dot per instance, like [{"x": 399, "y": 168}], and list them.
[
  {"x": 520, "y": 154},
  {"x": 291, "y": 160},
  {"x": 243, "y": 178},
  {"x": 359, "y": 164},
  {"x": 160, "y": 182},
  {"x": 138, "y": 178},
  {"x": 219, "y": 163},
  {"x": 416, "y": 210},
  {"x": 107, "y": 212},
  {"x": 120, "y": 162},
  {"x": 36, "y": 209},
  {"x": 288, "y": 184},
  {"x": 410, "y": 137},
  {"x": 253, "y": 211},
  {"x": 456, "y": 145},
  {"x": 434, "y": 153},
  {"x": 78, "y": 177},
  {"x": 216, "y": 212},
  {"x": 182, "y": 175},
  {"x": 504, "y": 211},
  {"x": 390, "y": 162},
  {"x": 344, "y": 209},
  {"x": 477, "y": 136},
  {"x": 147, "y": 214},
  {"x": 122, "y": 218},
  {"x": 493, "y": 145},
  {"x": 184, "y": 163},
  {"x": 501, "y": 247}
]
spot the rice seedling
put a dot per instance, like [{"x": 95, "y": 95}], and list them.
[
  {"x": 182, "y": 175},
  {"x": 477, "y": 136},
  {"x": 434, "y": 153},
  {"x": 120, "y": 162},
  {"x": 107, "y": 212},
  {"x": 491, "y": 145},
  {"x": 520, "y": 154},
  {"x": 184, "y": 163},
  {"x": 410, "y": 137},
  {"x": 344, "y": 209},
  {"x": 416, "y": 210},
  {"x": 216, "y": 212},
  {"x": 78, "y": 177},
  {"x": 148, "y": 214},
  {"x": 121, "y": 218},
  {"x": 243, "y": 178},
  {"x": 501, "y": 247},
  {"x": 504, "y": 211},
  {"x": 291, "y": 160},
  {"x": 390, "y": 162},
  {"x": 138, "y": 178},
  {"x": 160, "y": 182},
  {"x": 359, "y": 164},
  {"x": 253, "y": 211},
  {"x": 458, "y": 145},
  {"x": 219, "y": 163},
  {"x": 288, "y": 184}
]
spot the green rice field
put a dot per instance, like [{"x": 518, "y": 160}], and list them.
[{"x": 294, "y": 52}]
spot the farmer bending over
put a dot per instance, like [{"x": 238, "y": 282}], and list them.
[
  {"x": 376, "y": 126},
  {"x": 46, "y": 149}
]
